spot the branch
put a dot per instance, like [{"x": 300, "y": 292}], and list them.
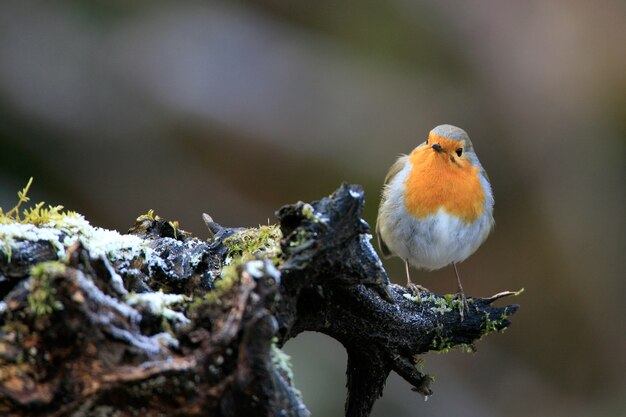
[
  {"x": 334, "y": 283},
  {"x": 160, "y": 322}
]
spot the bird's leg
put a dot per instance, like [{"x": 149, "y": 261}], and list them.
[
  {"x": 460, "y": 293},
  {"x": 416, "y": 289},
  {"x": 408, "y": 274}
]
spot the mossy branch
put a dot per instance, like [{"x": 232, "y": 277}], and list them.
[{"x": 160, "y": 322}]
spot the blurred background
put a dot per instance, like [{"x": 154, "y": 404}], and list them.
[{"x": 235, "y": 108}]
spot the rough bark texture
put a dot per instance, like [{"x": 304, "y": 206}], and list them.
[{"x": 74, "y": 339}]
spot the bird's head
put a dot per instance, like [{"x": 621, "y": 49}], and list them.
[{"x": 450, "y": 142}]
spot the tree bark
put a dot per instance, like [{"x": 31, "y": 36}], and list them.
[{"x": 98, "y": 335}]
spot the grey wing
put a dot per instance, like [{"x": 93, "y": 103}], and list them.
[
  {"x": 382, "y": 245},
  {"x": 393, "y": 171}
]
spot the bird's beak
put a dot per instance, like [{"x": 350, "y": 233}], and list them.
[{"x": 437, "y": 147}]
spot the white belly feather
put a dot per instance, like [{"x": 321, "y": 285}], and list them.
[{"x": 431, "y": 242}]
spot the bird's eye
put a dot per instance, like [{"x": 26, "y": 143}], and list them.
[{"x": 459, "y": 151}]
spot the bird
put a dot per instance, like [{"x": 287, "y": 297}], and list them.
[{"x": 436, "y": 207}]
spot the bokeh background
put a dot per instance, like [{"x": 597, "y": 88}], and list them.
[{"x": 237, "y": 107}]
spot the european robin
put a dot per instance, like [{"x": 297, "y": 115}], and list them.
[{"x": 437, "y": 205}]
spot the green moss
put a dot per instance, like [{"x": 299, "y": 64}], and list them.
[
  {"x": 36, "y": 215},
  {"x": 419, "y": 363},
  {"x": 39, "y": 215},
  {"x": 42, "y": 294},
  {"x": 244, "y": 246},
  {"x": 301, "y": 237},
  {"x": 439, "y": 342},
  {"x": 440, "y": 305},
  {"x": 309, "y": 213},
  {"x": 494, "y": 325},
  {"x": 282, "y": 362},
  {"x": 14, "y": 214},
  {"x": 254, "y": 243},
  {"x": 148, "y": 216},
  {"x": 443, "y": 344},
  {"x": 491, "y": 325},
  {"x": 229, "y": 276}
]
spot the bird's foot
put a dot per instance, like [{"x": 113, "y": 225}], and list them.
[
  {"x": 417, "y": 290},
  {"x": 463, "y": 304}
]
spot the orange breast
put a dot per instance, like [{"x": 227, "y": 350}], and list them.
[{"x": 435, "y": 182}]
